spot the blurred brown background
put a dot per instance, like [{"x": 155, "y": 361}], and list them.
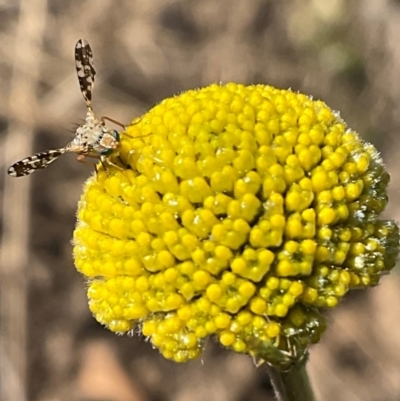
[{"x": 51, "y": 349}]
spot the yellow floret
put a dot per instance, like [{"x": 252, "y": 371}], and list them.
[{"x": 236, "y": 211}]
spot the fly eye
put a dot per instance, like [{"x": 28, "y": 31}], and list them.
[{"x": 116, "y": 135}]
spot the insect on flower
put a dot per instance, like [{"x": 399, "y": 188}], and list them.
[{"x": 92, "y": 139}]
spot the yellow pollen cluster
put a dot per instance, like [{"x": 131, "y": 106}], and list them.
[{"x": 239, "y": 210}]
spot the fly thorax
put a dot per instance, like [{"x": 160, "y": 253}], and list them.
[{"x": 87, "y": 134}]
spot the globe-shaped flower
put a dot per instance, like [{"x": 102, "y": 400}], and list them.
[{"x": 238, "y": 212}]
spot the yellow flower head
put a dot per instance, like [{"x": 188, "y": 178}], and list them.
[{"x": 241, "y": 210}]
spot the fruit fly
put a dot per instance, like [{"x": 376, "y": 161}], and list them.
[{"x": 92, "y": 139}]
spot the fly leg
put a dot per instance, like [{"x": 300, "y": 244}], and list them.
[
  {"x": 83, "y": 159},
  {"x": 104, "y": 118},
  {"x": 106, "y": 161},
  {"x": 136, "y": 121}
]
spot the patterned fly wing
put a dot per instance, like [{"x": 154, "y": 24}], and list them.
[
  {"x": 36, "y": 162},
  {"x": 85, "y": 69}
]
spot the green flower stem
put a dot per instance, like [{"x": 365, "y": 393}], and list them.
[{"x": 293, "y": 385}]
